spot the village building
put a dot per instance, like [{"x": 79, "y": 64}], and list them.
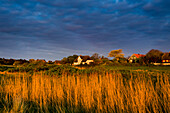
[
  {"x": 83, "y": 60},
  {"x": 134, "y": 57},
  {"x": 166, "y": 59}
]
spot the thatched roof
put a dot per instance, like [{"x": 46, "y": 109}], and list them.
[{"x": 85, "y": 58}]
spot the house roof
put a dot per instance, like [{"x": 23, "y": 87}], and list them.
[
  {"x": 138, "y": 55},
  {"x": 84, "y": 58}
]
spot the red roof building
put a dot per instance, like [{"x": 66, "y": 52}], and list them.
[
  {"x": 134, "y": 57},
  {"x": 138, "y": 55}
]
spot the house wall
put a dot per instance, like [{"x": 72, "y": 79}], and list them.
[
  {"x": 75, "y": 63},
  {"x": 165, "y": 64},
  {"x": 89, "y": 61},
  {"x": 156, "y": 64},
  {"x": 83, "y": 63},
  {"x": 79, "y": 60},
  {"x": 133, "y": 57},
  {"x": 130, "y": 61}
]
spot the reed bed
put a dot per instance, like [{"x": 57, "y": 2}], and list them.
[{"x": 110, "y": 92}]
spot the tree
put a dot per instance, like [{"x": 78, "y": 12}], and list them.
[
  {"x": 154, "y": 56},
  {"x": 116, "y": 53},
  {"x": 166, "y": 56},
  {"x": 20, "y": 62},
  {"x": 95, "y": 56},
  {"x": 64, "y": 60},
  {"x": 1, "y": 60},
  {"x": 141, "y": 60},
  {"x": 69, "y": 59},
  {"x": 31, "y": 60},
  {"x": 9, "y": 61},
  {"x": 50, "y": 62},
  {"x": 17, "y": 62}
]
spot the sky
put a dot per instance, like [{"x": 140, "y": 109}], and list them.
[{"x": 53, "y": 29}]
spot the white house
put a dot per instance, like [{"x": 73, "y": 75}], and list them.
[{"x": 83, "y": 60}]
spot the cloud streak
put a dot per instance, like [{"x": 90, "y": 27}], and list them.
[{"x": 82, "y": 27}]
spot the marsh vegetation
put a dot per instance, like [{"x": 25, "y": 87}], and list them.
[{"x": 110, "y": 91}]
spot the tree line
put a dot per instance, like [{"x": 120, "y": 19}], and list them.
[{"x": 152, "y": 56}]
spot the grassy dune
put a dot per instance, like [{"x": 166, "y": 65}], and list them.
[{"x": 110, "y": 92}]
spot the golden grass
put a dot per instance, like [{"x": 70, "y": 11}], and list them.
[{"x": 86, "y": 93}]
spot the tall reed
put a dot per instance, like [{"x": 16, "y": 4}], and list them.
[{"x": 85, "y": 93}]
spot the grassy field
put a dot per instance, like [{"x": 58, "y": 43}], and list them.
[{"x": 116, "y": 89}]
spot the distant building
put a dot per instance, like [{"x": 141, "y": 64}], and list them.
[
  {"x": 83, "y": 60},
  {"x": 134, "y": 57},
  {"x": 166, "y": 59}
]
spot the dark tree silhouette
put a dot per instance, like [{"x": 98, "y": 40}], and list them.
[{"x": 154, "y": 56}]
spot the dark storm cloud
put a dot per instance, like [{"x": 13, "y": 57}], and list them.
[
  {"x": 57, "y": 28},
  {"x": 158, "y": 7}
]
